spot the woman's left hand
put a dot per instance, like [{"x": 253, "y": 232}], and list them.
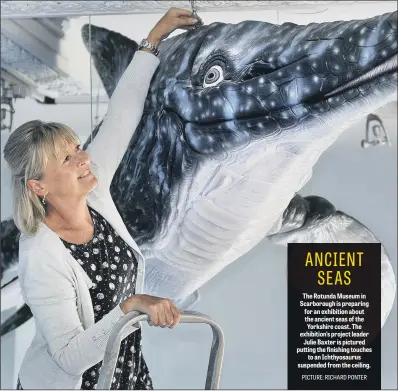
[{"x": 175, "y": 18}]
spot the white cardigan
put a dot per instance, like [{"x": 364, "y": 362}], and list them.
[{"x": 56, "y": 288}]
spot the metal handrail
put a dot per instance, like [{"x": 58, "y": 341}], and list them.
[{"x": 131, "y": 318}]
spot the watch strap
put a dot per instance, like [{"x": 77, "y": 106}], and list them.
[{"x": 147, "y": 45}]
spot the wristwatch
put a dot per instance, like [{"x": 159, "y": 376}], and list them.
[{"x": 147, "y": 45}]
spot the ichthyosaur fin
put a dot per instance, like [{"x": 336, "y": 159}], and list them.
[
  {"x": 111, "y": 53},
  {"x": 314, "y": 219}
]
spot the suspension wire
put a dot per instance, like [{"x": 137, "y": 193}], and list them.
[
  {"x": 91, "y": 79},
  {"x": 97, "y": 106}
]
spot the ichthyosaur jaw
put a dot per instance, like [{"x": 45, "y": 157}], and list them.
[{"x": 234, "y": 121}]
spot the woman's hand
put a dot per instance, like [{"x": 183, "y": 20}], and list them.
[
  {"x": 175, "y": 18},
  {"x": 162, "y": 312}
]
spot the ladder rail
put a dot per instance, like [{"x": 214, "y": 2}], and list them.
[{"x": 131, "y": 318}]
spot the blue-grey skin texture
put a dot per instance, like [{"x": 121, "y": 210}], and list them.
[
  {"x": 183, "y": 125},
  {"x": 222, "y": 87}
]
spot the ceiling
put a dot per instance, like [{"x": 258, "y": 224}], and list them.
[
  {"x": 29, "y": 9},
  {"x": 33, "y": 35}
]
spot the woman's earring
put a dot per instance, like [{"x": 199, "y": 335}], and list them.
[{"x": 44, "y": 200}]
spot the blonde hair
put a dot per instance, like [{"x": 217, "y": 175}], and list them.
[{"x": 27, "y": 152}]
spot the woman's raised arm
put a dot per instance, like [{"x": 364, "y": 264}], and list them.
[{"x": 127, "y": 102}]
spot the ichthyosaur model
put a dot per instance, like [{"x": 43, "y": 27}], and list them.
[{"x": 235, "y": 119}]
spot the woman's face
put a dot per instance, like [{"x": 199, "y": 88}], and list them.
[{"x": 68, "y": 176}]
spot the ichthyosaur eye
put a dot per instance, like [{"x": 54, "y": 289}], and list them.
[{"x": 214, "y": 76}]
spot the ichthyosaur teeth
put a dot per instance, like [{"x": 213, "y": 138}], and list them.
[{"x": 235, "y": 119}]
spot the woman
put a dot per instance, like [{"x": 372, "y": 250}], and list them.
[{"x": 79, "y": 268}]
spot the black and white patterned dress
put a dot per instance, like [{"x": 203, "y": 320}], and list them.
[{"x": 111, "y": 265}]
